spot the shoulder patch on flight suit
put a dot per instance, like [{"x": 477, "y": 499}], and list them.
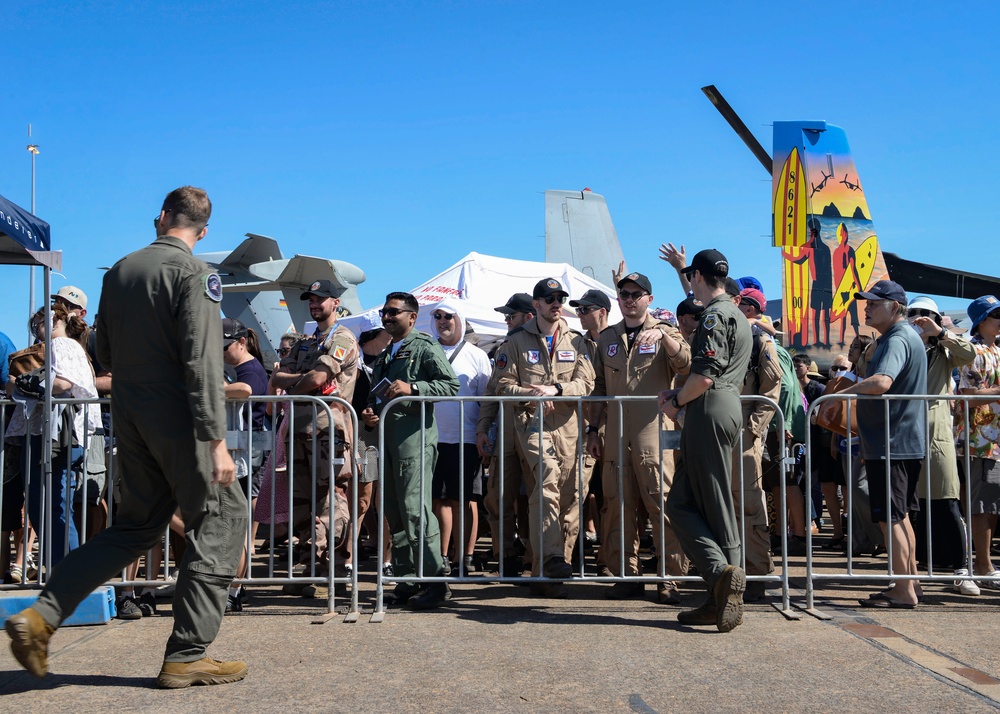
[
  {"x": 566, "y": 356},
  {"x": 213, "y": 286},
  {"x": 339, "y": 352},
  {"x": 612, "y": 349},
  {"x": 502, "y": 362},
  {"x": 711, "y": 321},
  {"x": 534, "y": 356}
]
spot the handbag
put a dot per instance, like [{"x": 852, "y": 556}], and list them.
[
  {"x": 26, "y": 360},
  {"x": 837, "y": 422}
]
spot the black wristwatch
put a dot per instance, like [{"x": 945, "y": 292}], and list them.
[
  {"x": 676, "y": 404},
  {"x": 414, "y": 389},
  {"x": 591, "y": 429},
  {"x": 558, "y": 389}
]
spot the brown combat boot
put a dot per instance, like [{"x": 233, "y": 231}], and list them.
[
  {"x": 703, "y": 615},
  {"x": 29, "y": 640},
  {"x": 728, "y": 594},
  {"x": 176, "y": 675}
]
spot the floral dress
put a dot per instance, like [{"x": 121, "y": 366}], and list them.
[{"x": 984, "y": 417}]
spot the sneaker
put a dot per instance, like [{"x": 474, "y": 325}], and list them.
[
  {"x": 387, "y": 571},
  {"x": 993, "y": 584},
  {"x": 147, "y": 604},
  {"x": 430, "y": 597},
  {"x": 233, "y": 604},
  {"x": 728, "y": 594},
  {"x": 447, "y": 565},
  {"x": 14, "y": 576},
  {"x": 29, "y": 640},
  {"x": 127, "y": 608},
  {"x": 175, "y": 675},
  {"x": 965, "y": 587},
  {"x": 244, "y": 596}
]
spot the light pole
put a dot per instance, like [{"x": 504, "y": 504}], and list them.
[{"x": 33, "y": 150}]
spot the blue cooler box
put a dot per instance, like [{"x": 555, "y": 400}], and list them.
[{"x": 96, "y": 609}]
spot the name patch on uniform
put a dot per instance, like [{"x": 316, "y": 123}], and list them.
[
  {"x": 566, "y": 356},
  {"x": 612, "y": 349},
  {"x": 647, "y": 349},
  {"x": 339, "y": 353},
  {"x": 711, "y": 321},
  {"x": 402, "y": 353},
  {"x": 502, "y": 362},
  {"x": 213, "y": 287},
  {"x": 534, "y": 356}
]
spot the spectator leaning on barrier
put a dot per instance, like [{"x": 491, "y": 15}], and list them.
[
  {"x": 548, "y": 359},
  {"x": 946, "y": 539},
  {"x": 700, "y": 505},
  {"x": 982, "y": 377},
  {"x": 457, "y": 433},
  {"x": 413, "y": 365},
  {"x": 638, "y": 356},
  {"x": 899, "y": 366},
  {"x": 323, "y": 365}
]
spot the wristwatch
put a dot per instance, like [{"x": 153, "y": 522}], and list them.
[
  {"x": 591, "y": 429},
  {"x": 677, "y": 405},
  {"x": 414, "y": 389},
  {"x": 558, "y": 389}
]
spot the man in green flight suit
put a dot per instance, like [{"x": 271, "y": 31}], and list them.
[
  {"x": 159, "y": 332},
  {"x": 700, "y": 504},
  {"x": 413, "y": 364}
]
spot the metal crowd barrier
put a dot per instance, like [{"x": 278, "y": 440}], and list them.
[
  {"x": 240, "y": 441},
  {"x": 582, "y": 409},
  {"x": 850, "y": 573}
]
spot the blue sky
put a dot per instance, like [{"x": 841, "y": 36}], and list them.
[{"x": 402, "y": 135}]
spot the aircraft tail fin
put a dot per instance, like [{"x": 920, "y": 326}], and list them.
[{"x": 579, "y": 231}]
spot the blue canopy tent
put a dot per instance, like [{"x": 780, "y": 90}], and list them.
[{"x": 25, "y": 240}]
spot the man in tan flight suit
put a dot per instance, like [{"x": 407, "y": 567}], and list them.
[
  {"x": 548, "y": 359},
  {"x": 638, "y": 356},
  {"x": 324, "y": 365}
]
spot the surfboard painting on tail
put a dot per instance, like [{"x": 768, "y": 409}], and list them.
[{"x": 837, "y": 254}]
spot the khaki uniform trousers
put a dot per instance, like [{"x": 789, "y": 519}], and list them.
[
  {"x": 550, "y": 522},
  {"x": 641, "y": 481},
  {"x": 311, "y": 465},
  {"x": 757, "y": 542}
]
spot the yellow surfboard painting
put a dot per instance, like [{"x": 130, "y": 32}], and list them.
[
  {"x": 852, "y": 281},
  {"x": 789, "y": 203}
]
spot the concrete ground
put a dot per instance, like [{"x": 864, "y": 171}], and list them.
[{"x": 495, "y": 648}]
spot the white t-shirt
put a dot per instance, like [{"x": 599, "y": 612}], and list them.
[{"x": 473, "y": 369}]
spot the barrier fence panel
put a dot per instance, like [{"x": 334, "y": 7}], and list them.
[
  {"x": 540, "y": 443},
  {"x": 54, "y": 477},
  {"x": 858, "y": 506}
]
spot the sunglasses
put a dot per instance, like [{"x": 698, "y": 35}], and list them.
[
  {"x": 548, "y": 300},
  {"x": 630, "y": 295},
  {"x": 995, "y": 315},
  {"x": 920, "y": 312},
  {"x": 392, "y": 311},
  {"x": 284, "y": 351},
  {"x": 442, "y": 316},
  {"x": 581, "y": 311}
]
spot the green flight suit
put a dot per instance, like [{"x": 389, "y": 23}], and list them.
[
  {"x": 409, "y": 472},
  {"x": 160, "y": 335},
  {"x": 700, "y": 503}
]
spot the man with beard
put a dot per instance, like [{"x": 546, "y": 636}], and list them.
[
  {"x": 323, "y": 365},
  {"x": 413, "y": 365}
]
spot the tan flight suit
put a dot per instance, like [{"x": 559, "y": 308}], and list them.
[
  {"x": 639, "y": 371},
  {"x": 512, "y": 476},
  {"x": 336, "y": 351},
  {"x": 764, "y": 381},
  {"x": 158, "y": 330},
  {"x": 525, "y": 360}
]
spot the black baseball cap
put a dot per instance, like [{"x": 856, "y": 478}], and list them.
[
  {"x": 322, "y": 288},
  {"x": 883, "y": 290},
  {"x": 732, "y": 288},
  {"x": 639, "y": 279},
  {"x": 518, "y": 302},
  {"x": 546, "y": 287},
  {"x": 593, "y": 298},
  {"x": 708, "y": 262},
  {"x": 232, "y": 330},
  {"x": 689, "y": 306}
]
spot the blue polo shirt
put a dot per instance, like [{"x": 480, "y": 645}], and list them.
[{"x": 900, "y": 355}]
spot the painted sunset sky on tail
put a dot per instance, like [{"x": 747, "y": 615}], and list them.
[{"x": 823, "y": 225}]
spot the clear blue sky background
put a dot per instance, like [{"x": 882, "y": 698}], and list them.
[{"x": 401, "y": 135}]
